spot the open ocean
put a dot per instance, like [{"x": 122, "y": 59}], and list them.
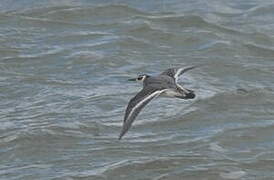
[{"x": 64, "y": 66}]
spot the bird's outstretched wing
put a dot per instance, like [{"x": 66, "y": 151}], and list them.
[
  {"x": 176, "y": 72},
  {"x": 136, "y": 104}
]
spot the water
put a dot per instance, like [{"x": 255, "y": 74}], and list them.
[{"x": 64, "y": 67}]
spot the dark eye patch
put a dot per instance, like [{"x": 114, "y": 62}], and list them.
[{"x": 140, "y": 78}]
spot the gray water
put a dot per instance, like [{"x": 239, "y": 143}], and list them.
[{"x": 64, "y": 67}]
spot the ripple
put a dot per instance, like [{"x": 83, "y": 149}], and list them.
[
  {"x": 178, "y": 21},
  {"x": 233, "y": 175},
  {"x": 259, "y": 50},
  {"x": 216, "y": 147},
  {"x": 63, "y": 89},
  {"x": 8, "y": 139},
  {"x": 94, "y": 15},
  {"x": 261, "y": 10}
]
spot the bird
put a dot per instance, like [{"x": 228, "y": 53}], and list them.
[{"x": 165, "y": 84}]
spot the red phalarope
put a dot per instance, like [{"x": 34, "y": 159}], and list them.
[{"x": 165, "y": 84}]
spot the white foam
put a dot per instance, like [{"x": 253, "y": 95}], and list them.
[
  {"x": 233, "y": 174},
  {"x": 216, "y": 147}
]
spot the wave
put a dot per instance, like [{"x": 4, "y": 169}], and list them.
[
  {"x": 260, "y": 50},
  {"x": 261, "y": 10},
  {"x": 93, "y": 14},
  {"x": 103, "y": 10}
]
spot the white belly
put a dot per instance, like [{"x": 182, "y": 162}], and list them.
[{"x": 170, "y": 93}]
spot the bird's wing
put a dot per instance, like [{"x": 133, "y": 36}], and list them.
[
  {"x": 136, "y": 104},
  {"x": 176, "y": 72}
]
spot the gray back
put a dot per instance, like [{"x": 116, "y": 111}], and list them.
[{"x": 160, "y": 82}]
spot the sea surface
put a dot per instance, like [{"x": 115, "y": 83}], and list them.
[{"x": 64, "y": 66}]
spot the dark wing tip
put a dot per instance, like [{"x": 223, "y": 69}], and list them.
[
  {"x": 121, "y": 135},
  {"x": 188, "y": 68}
]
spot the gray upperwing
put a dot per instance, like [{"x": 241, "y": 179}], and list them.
[
  {"x": 136, "y": 104},
  {"x": 170, "y": 72},
  {"x": 176, "y": 72}
]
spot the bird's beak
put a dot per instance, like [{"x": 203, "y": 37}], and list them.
[{"x": 132, "y": 79}]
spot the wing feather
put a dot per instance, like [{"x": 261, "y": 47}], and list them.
[
  {"x": 136, "y": 104},
  {"x": 176, "y": 72}
]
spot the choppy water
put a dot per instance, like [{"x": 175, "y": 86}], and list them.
[{"x": 64, "y": 67}]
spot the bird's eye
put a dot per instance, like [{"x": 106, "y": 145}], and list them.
[{"x": 140, "y": 78}]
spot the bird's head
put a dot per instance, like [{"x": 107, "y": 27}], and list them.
[{"x": 140, "y": 78}]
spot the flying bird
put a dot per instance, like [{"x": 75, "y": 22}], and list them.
[{"x": 164, "y": 84}]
